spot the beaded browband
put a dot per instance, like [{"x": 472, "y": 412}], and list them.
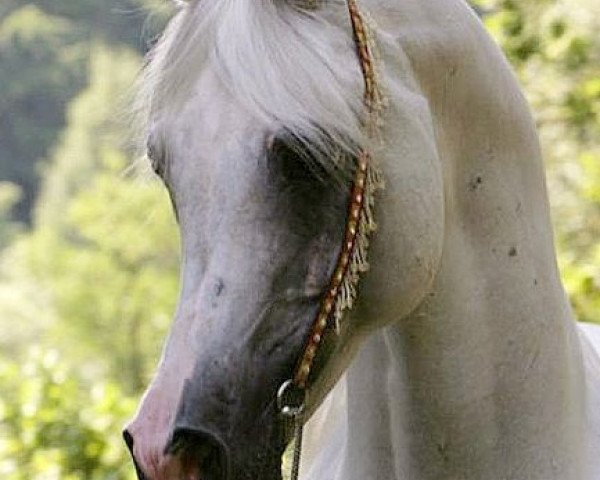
[{"x": 352, "y": 260}]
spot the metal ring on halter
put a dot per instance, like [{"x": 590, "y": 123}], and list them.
[{"x": 291, "y": 399}]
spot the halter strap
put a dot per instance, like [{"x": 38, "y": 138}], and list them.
[{"x": 352, "y": 260}]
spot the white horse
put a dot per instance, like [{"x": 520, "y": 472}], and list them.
[{"x": 462, "y": 359}]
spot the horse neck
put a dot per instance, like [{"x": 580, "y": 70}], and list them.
[
  {"x": 457, "y": 392},
  {"x": 484, "y": 380}
]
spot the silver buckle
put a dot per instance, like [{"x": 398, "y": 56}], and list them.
[{"x": 291, "y": 399}]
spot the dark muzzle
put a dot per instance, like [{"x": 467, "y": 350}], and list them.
[
  {"x": 202, "y": 455},
  {"x": 201, "y": 450}
]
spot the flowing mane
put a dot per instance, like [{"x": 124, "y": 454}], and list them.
[{"x": 287, "y": 66}]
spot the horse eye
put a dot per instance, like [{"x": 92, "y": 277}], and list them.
[{"x": 291, "y": 160}]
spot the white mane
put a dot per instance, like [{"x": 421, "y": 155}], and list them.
[{"x": 292, "y": 67}]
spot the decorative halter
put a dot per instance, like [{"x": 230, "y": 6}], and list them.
[{"x": 342, "y": 291}]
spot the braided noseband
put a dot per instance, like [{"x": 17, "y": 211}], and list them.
[{"x": 352, "y": 261}]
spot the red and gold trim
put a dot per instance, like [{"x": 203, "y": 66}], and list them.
[
  {"x": 352, "y": 260},
  {"x": 364, "y": 46},
  {"x": 341, "y": 273}
]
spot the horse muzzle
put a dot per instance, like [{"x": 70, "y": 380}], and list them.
[{"x": 191, "y": 454}]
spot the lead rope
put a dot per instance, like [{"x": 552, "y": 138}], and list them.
[
  {"x": 291, "y": 397},
  {"x": 291, "y": 401},
  {"x": 298, "y": 434}
]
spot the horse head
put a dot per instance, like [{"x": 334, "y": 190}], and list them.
[{"x": 255, "y": 121}]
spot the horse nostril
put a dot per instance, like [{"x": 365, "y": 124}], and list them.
[
  {"x": 202, "y": 453},
  {"x": 128, "y": 438}
]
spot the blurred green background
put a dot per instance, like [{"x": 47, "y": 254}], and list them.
[{"x": 89, "y": 250}]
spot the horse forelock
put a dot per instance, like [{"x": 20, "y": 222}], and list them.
[{"x": 289, "y": 67}]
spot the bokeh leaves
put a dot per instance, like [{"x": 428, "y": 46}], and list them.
[{"x": 53, "y": 424}]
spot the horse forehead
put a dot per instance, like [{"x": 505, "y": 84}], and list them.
[
  {"x": 207, "y": 119},
  {"x": 212, "y": 142}
]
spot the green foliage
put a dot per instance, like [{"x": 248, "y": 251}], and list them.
[
  {"x": 105, "y": 247},
  {"x": 96, "y": 279},
  {"x": 109, "y": 282},
  {"x": 103, "y": 280},
  {"x": 9, "y": 195},
  {"x": 41, "y": 69},
  {"x": 113, "y": 21},
  {"x": 53, "y": 424},
  {"x": 112, "y": 274},
  {"x": 94, "y": 131},
  {"x": 44, "y": 51}
]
